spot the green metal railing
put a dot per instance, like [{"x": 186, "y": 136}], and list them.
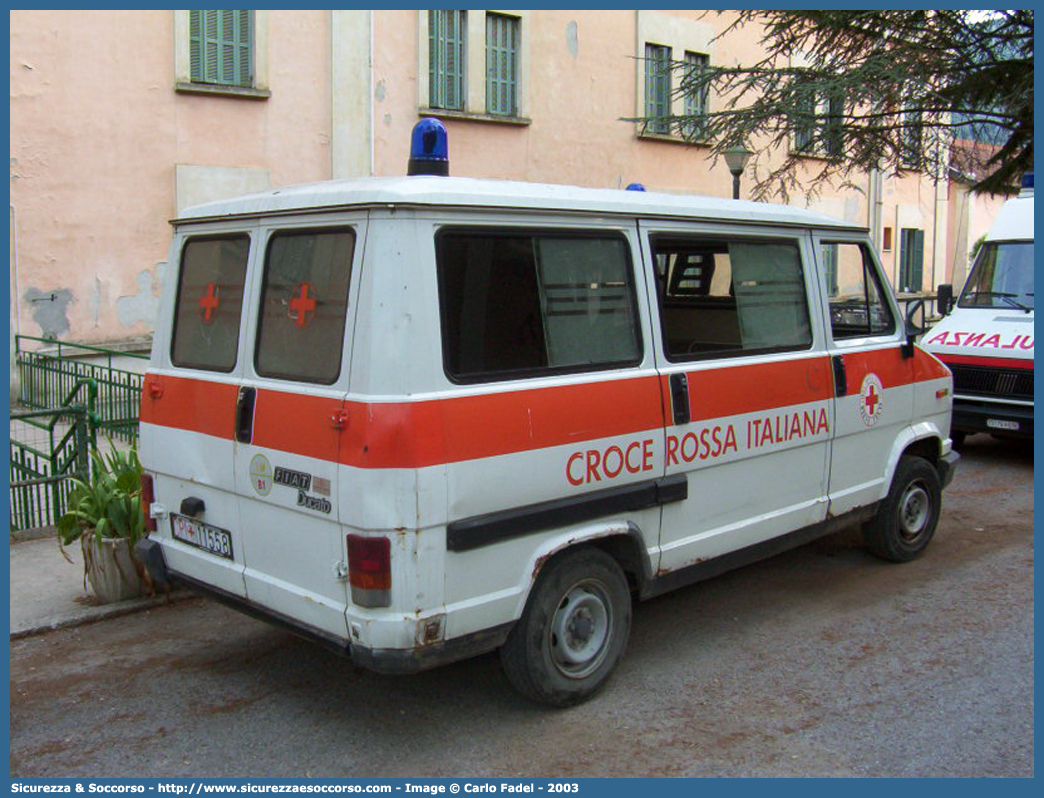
[
  {"x": 48, "y": 449},
  {"x": 47, "y": 376}
]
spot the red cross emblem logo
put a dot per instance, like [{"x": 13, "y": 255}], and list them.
[
  {"x": 871, "y": 399},
  {"x": 209, "y": 302},
  {"x": 302, "y": 305}
]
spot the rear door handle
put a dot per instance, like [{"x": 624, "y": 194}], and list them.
[
  {"x": 245, "y": 414},
  {"x": 680, "y": 398}
]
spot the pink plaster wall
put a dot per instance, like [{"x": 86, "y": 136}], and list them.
[{"x": 96, "y": 131}]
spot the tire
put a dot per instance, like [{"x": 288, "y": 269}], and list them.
[
  {"x": 906, "y": 520},
  {"x": 573, "y": 630}
]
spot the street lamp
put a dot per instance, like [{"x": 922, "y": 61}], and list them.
[{"x": 736, "y": 158}]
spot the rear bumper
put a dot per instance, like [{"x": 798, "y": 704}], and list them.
[
  {"x": 971, "y": 416},
  {"x": 381, "y": 660}
]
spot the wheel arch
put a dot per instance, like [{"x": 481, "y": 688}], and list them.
[
  {"x": 621, "y": 540},
  {"x": 920, "y": 440}
]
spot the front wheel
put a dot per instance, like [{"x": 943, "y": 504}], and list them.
[
  {"x": 906, "y": 520},
  {"x": 573, "y": 630}
]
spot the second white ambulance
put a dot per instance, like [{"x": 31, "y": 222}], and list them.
[
  {"x": 421, "y": 418},
  {"x": 987, "y": 339}
]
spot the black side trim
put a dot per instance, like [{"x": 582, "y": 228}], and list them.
[
  {"x": 484, "y": 530},
  {"x": 671, "y": 580}
]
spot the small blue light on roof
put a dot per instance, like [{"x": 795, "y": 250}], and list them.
[
  {"x": 429, "y": 149},
  {"x": 635, "y": 187},
  {"x": 1027, "y": 180}
]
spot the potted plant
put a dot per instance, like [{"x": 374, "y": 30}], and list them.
[{"x": 105, "y": 515}]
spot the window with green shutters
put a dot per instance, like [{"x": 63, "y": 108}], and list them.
[
  {"x": 221, "y": 47},
  {"x": 447, "y": 48},
  {"x": 502, "y": 64},
  {"x": 818, "y": 125},
  {"x": 911, "y": 259},
  {"x": 658, "y": 87},
  {"x": 695, "y": 101}
]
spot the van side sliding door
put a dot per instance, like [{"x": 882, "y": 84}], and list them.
[{"x": 746, "y": 381}]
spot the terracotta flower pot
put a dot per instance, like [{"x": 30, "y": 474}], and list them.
[{"x": 113, "y": 571}]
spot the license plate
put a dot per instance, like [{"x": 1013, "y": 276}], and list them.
[
  {"x": 202, "y": 536},
  {"x": 996, "y": 423}
]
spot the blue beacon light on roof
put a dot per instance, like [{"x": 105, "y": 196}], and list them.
[
  {"x": 635, "y": 187},
  {"x": 429, "y": 149}
]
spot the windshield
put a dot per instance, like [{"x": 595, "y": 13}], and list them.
[{"x": 1002, "y": 277}]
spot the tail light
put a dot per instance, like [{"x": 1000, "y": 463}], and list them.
[
  {"x": 369, "y": 570},
  {"x": 148, "y": 496}
]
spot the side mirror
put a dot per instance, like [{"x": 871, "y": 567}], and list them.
[
  {"x": 915, "y": 323},
  {"x": 944, "y": 299}
]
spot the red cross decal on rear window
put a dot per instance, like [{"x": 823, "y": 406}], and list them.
[
  {"x": 302, "y": 305},
  {"x": 209, "y": 302}
]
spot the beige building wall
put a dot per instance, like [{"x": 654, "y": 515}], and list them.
[{"x": 105, "y": 148}]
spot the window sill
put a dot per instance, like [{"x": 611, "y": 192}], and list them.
[
  {"x": 670, "y": 138},
  {"x": 812, "y": 156},
  {"x": 445, "y": 113},
  {"x": 222, "y": 91}
]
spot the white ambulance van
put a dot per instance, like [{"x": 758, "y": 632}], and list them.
[
  {"x": 987, "y": 339},
  {"x": 422, "y": 418}
]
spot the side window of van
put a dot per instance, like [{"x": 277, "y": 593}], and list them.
[
  {"x": 519, "y": 303},
  {"x": 857, "y": 304},
  {"x": 304, "y": 304},
  {"x": 724, "y": 297},
  {"x": 209, "y": 302}
]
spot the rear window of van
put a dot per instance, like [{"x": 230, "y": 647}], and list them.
[
  {"x": 209, "y": 303},
  {"x": 304, "y": 305}
]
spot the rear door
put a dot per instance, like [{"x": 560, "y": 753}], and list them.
[
  {"x": 189, "y": 400},
  {"x": 290, "y": 416}
]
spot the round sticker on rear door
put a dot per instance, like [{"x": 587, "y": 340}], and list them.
[
  {"x": 261, "y": 474},
  {"x": 871, "y": 399}
]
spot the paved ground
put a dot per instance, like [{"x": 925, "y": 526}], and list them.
[
  {"x": 47, "y": 591},
  {"x": 823, "y": 661}
]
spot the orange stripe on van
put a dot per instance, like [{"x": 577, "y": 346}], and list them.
[
  {"x": 733, "y": 390},
  {"x": 891, "y": 367},
  {"x": 194, "y": 405},
  {"x": 419, "y": 434},
  {"x": 435, "y": 432}
]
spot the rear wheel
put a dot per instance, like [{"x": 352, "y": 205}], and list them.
[
  {"x": 573, "y": 630},
  {"x": 906, "y": 520}
]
